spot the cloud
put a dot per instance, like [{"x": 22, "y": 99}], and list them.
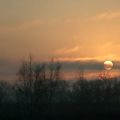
[
  {"x": 111, "y": 57},
  {"x": 30, "y": 24},
  {"x": 66, "y": 50},
  {"x": 6, "y": 29},
  {"x": 84, "y": 65},
  {"x": 22, "y": 26},
  {"x": 106, "y": 16},
  {"x": 8, "y": 69},
  {"x": 8, "y": 66}
]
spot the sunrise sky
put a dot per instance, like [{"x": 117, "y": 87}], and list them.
[{"x": 64, "y": 29}]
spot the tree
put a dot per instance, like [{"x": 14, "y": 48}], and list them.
[{"x": 25, "y": 75}]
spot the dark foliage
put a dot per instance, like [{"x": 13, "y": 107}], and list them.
[{"x": 41, "y": 93}]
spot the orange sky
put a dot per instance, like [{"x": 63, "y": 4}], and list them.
[{"x": 65, "y": 29}]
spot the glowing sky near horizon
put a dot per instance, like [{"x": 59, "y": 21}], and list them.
[{"x": 65, "y": 29}]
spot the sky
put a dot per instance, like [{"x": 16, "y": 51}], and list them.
[{"x": 67, "y": 30}]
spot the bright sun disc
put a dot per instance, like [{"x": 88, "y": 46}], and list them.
[{"x": 108, "y": 65}]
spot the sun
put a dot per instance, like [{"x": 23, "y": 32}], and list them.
[{"x": 108, "y": 65}]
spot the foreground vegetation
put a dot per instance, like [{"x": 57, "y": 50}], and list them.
[{"x": 40, "y": 92}]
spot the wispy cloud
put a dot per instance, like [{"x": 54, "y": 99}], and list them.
[
  {"x": 22, "y": 26},
  {"x": 30, "y": 24},
  {"x": 112, "y": 57},
  {"x": 66, "y": 50},
  {"x": 109, "y": 15},
  {"x": 6, "y": 29}
]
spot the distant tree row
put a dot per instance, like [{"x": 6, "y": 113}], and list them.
[{"x": 41, "y": 91}]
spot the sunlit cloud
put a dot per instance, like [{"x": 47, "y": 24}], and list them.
[
  {"x": 106, "y": 16},
  {"x": 66, "y": 50},
  {"x": 112, "y": 57}
]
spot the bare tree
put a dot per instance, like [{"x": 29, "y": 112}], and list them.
[
  {"x": 25, "y": 86},
  {"x": 80, "y": 74},
  {"x": 54, "y": 75}
]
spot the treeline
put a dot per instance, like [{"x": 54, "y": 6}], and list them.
[{"x": 41, "y": 92}]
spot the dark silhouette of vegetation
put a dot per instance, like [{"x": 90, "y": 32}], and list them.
[{"x": 41, "y": 92}]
